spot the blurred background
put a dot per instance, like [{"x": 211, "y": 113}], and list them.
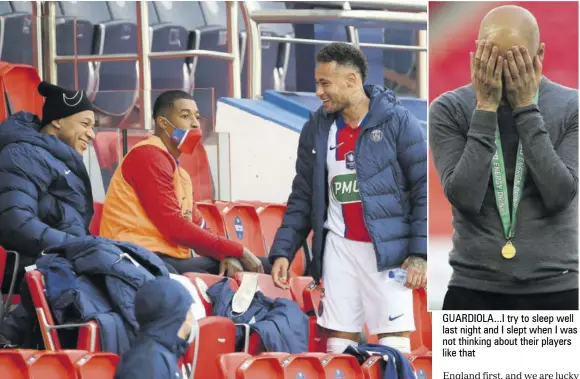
[{"x": 453, "y": 28}]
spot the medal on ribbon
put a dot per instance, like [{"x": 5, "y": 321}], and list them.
[{"x": 508, "y": 220}]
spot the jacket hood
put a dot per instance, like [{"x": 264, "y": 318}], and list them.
[
  {"x": 381, "y": 107},
  {"x": 161, "y": 306},
  {"x": 25, "y": 127}
]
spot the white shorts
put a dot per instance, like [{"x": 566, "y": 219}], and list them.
[{"x": 355, "y": 292}]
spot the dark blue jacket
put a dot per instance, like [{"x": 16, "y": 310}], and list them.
[
  {"x": 45, "y": 191},
  {"x": 392, "y": 180},
  {"x": 93, "y": 278},
  {"x": 398, "y": 367},
  {"x": 161, "y": 307},
  {"x": 281, "y": 324}
]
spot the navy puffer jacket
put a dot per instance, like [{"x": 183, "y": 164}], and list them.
[
  {"x": 45, "y": 191},
  {"x": 392, "y": 180}
]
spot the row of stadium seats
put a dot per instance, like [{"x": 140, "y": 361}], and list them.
[
  {"x": 78, "y": 364},
  {"x": 109, "y": 27},
  {"x": 217, "y": 334},
  {"x": 253, "y": 224}
]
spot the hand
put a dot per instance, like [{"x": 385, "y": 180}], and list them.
[
  {"x": 280, "y": 273},
  {"x": 251, "y": 262},
  {"x": 521, "y": 76},
  {"x": 416, "y": 272},
  {"x": 230, "y": 266},
  {"x": 486, "y": 75}
]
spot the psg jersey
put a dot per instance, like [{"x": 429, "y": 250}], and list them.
[{"x": 345, "y": 212}]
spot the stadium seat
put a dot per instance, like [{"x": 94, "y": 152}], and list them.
[
  {"x": 307, "y": 294},
  {"x": 421, "y": 337},
  {"x": 243, "y": 225},
  {"x": 65, "y": 32},
  {"x": 51, "y": 365},
  {"x": 93, "y": 365},
  {"x": 244, "y": 366},
  {"x": 373, "y": 368},
  {"x": 197, "y": 166},
  {"x": 88, "y": 332},
  {"x": 116, "y": 81},
  {"x": 200, "y": 281},
  {"x": 422, "y": 366},
  {"x": 305, "y": 365},
  {"x": 271, "y": 216},
  {"x": 3, "y": 104},
  {"x": 13, "y": 363},
  {"x": 16, "y": 37},
  {"x": 20, "y": 84},
  {"x": 102, "y": 145},
  {"x": 217, "y": 336},
  {"x": 341, "y": 366},
  {"x": 213, "y": 218},
  {"x": 166, "y": 74},
  {"x": 8, "y": 299},
  {"x": 95, "y": 225}
]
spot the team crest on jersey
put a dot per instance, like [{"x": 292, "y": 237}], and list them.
[
  {"x": 376, "y": 135},
  {"x": 349, "y": 160},
  {"x": 345, "y": 189}
]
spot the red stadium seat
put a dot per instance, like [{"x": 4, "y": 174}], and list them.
[
  {"x": 217, "y": 335},
  {"x": 213, "y": 218},
  {"x": 260, "y": 368},
  {"x": 51, "y": 365},
  {"x": 337, "y": 364},
  {"x": 373, "y": 368},
  {"x": 307, "y": 294},
  {"x": 88, "y": 332},
  {"x": 309, "y": 365},
  {"x": 270, "y": 219},
  {"x": 242, "y": 366},
  {"x": 209, "y": 280},
  {"x": 197, "y": 166},
  {"x": 21, "y": 83},
  {"x": 95, "y": 226},
  {"x": 102, "y": 145},
  {"x": 3, "y": 106},
  {"x": 422, "y": 366},
  {"x": 13, "y": 364},
  {"x": 266, "y": 285},
  {"x": 243, "y": 225},
  {"x": 421, "y": 337},
  {"x": 93, "y": 365},
  {"x": 229, "y": 363},
  {"x": 371, "y": 338}
]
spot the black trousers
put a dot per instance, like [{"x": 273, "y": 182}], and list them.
[
  {"x": 458, "y": 298},
  {"x": 203, "y": 265}
]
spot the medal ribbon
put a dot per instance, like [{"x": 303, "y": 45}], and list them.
[{"x": 500, "y": 185}]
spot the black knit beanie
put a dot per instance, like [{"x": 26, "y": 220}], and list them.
[{"x": 61, "y": 103}]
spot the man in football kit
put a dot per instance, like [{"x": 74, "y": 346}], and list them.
[{"x": 370, "y": 153}]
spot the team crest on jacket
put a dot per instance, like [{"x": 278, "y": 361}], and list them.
[{"x": 376, "y": 135}]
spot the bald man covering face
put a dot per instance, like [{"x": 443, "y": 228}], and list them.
[{"x": 506, "y": 151}]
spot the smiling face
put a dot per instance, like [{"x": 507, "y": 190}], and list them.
[
  {"x": 334, "y": 85},
  {"x": 76, "y": 130}
]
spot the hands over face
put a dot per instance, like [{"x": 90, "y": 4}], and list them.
[
  {"x": 486, "y": 70},
  {"x": 522, "y": 76}
]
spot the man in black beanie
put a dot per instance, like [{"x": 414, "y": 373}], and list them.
[{"x": 45, "y": 190}]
